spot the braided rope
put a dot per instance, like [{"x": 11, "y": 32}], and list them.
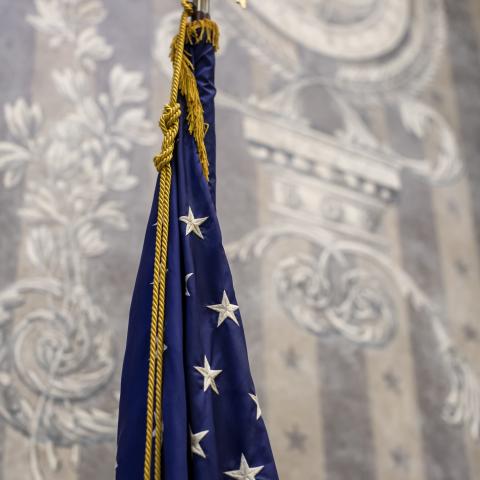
[{"x": 169, "y": 123}]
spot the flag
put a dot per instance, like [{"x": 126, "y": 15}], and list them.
[{"x": 210, "y": 424}]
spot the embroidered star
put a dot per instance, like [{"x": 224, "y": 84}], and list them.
[
  {"x": 193, "y": 224},
  {"x": 153, "y": 281},
  {"x": 195, "y": 439},
  {"x": 245, "y": 472},
  {"x": 209, "y": 376},
  {"x": 225, "y": 310},
  {"x": 157, "y": 349},
  {"x": 257, "y": 403},
  {"x": 187, "y": 278}
]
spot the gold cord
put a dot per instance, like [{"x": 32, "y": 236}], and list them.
[
  {"x": 183, "y": 81},
  {"x": 169, "y": 123}
]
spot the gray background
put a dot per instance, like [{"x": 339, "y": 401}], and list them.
[{"x": 349, "y": 202}]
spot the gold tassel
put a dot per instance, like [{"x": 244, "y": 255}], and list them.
[
  {"x": 204, "y": 29},
  {"x": 197, "y": 31}
]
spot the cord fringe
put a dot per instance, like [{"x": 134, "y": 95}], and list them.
[
  {"x": 203, "y": 30},
  {"x": 197, "y": 31}
]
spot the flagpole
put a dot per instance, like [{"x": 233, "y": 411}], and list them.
[{"x": 201, "y": 9}]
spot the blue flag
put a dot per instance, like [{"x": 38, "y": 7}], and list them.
[{"x": 212, "y": 421}]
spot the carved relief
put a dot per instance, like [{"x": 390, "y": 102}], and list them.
[{"x": 56, "y": 344}]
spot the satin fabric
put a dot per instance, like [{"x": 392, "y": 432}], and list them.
[{"x": 191, "y": 332}]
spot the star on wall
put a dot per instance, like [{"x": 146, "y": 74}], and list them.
[
  {"x": 187, "y": 278},
  {"x": 470, "y": 333},
  {"x": 225, "y": 310},
  {"x": 195, "y": 439},
  {"x": 291, "y": 358},
  {"x": 462, "y": 267},
  {"x": 400, "y": 458},
  {"x": 392, "y": 381},
  {"x": 193, "y": 224},
  {"x": 245, "y": 472},
  {"x": 209, "y": 376},
  {"x": 296, "y": 439},
  {"x": 257, "y": 403}
]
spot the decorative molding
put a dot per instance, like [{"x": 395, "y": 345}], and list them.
[
  {"x": 347, "y": 289},
  {"x": 56, "y": 347}
]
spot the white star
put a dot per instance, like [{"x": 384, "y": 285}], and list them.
[
  {"x": 193, "y": 224},
  {"x": 244, "y": 472},
  {"x": 255, "y": 399},
  {"x": 153, "y": 281},
  {"x": 195, "y": 439},
  {"x": 187, "y": 278},
  {"x": 209, "y": 376},
  {"x": 154, "y": 433},
  {"x": 157, "y": 350},
  {"x": 225, "y": 310}
]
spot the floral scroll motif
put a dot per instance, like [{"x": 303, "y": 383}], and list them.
[
  {"x": 346, "y": 289},
  {"x": 56, "y": 346},
  {"x": 329, "y": 294}
]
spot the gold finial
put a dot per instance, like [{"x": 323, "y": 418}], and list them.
[{"x": 242, "y": 3}]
